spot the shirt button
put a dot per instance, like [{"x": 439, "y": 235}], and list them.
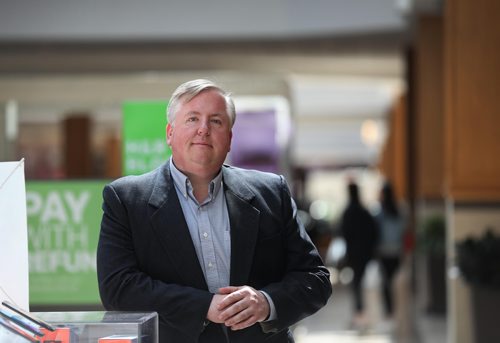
[
  {"x": 205, "y": 234},
  {"x": 210, "y": 264}
]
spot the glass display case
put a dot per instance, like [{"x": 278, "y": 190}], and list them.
[
  {"x": 19, "y": 326},
  {"x": 101, "y": 327}
]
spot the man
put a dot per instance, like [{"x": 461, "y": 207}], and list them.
[{"x": 217, "y": 251}]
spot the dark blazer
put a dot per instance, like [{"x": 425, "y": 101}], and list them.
[{"x": 146, "y": 260}]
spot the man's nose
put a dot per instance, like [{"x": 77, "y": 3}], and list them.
[{"x": 204, "y": 128}]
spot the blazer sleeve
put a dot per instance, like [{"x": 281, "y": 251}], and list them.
[
  {"x": 306, "y": 286},
  {"x": 123, "y": 284}
]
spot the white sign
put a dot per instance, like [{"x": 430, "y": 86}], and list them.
[{"x": 14, "y": 282}]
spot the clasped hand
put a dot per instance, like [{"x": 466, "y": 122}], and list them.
[{"x": 238, "y": 307}]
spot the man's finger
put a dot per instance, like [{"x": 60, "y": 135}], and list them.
[
  {"x": 231, "y": 298},
  {"x": 228, "y": 289}
]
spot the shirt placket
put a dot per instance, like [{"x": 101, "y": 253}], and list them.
[{"x": 207, "y": 248}]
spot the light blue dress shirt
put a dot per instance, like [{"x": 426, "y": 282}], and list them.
[{"x": 208, "y": 224}]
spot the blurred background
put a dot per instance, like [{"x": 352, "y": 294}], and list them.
[{"x": 326, "y": 92}]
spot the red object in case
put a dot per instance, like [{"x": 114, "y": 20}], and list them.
[{"x": 60, "y": 335}]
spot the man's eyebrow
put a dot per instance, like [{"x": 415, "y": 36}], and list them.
[{"x": 216, "y": 114}]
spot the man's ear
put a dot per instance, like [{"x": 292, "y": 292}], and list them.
[
  {"x": 169, "y": 132},
  {"x": 230, "y": 140}
]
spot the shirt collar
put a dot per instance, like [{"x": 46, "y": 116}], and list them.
[{"x": 183, "y": 184}]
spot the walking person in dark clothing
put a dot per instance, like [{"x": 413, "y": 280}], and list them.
[
  {"x": 390, "y": 249},
  {"x": 359, "y": 230}
]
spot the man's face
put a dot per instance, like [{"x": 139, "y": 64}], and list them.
[{"x": 200, "y": 136}]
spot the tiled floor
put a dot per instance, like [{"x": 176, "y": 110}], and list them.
[{"x": 331, "y": 324}]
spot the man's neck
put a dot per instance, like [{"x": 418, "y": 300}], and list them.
[
  {"x": 200, "y": 180},
  {"x": 200, "y": 190}
]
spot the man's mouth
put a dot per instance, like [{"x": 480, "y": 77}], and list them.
[{"x": 202, "y": 144}]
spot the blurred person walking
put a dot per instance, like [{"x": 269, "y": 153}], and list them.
[
  {"x": 359, "y": 229},
  {"x": 392, "y": 226}
]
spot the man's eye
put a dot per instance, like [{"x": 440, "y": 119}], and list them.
[
  {"x": 191, "y": 119},
  {"x": 217, "y": 121}
]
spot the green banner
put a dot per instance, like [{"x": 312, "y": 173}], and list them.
[
  {"x": 64, "y": 219},
  {"x": 144, "y": 137}
]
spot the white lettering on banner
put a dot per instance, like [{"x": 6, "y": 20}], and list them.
[
  {"x": 33, "y": 203},
  {"x": 58, "y": 236},
  {"x": 60, "y": 239},
  {"x": 77, "y": 205},
  {"x": 53, "y": 208},
  {"x": 142, "y": 165},
  {"x": 145, "y": 146},
  {"x": 52, "y": 261}
]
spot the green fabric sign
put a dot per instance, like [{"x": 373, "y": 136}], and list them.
[
  {"x": 64, "y": 219},
  {"x": 144, "y": 136}
]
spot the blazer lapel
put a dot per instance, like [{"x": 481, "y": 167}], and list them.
[
  {"x": 172, "y": 230},
  {"x": 244, "y": 222}
]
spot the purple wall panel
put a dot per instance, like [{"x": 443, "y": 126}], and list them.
[{"x": 254, "y": 141}]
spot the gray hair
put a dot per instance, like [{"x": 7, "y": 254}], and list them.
[{"x": 188, "y": 90}]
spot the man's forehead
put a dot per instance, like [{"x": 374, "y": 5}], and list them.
[{"x": 191, "y": 106}]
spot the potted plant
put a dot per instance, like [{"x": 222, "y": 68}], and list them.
[
  {"x": 432, "y": 234},
  {"x": 478, "y": 260},
  {"x": 431, "y": 242}
]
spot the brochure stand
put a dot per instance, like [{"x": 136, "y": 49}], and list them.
[{"x": 14, "y": 280}]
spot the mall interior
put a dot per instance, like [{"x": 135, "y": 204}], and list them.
[{"x": 326, "y": 92}]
